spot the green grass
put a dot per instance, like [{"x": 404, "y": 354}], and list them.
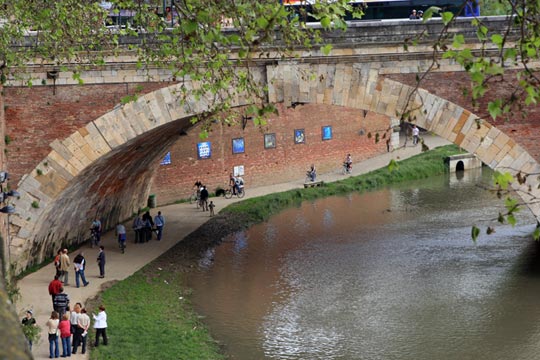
[{"x": 149, "y": 317}]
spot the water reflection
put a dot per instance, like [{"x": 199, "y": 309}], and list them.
[{"x": 391, "y": 274}]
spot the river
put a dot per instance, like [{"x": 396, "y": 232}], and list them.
[{"x": 388, "y": 274}]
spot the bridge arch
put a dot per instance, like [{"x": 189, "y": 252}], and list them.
[{"x": 98, "y": 167}]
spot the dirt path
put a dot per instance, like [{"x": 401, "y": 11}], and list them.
[{"x": 181, "y": 220}]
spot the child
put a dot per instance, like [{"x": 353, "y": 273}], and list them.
[{"x": 211, "y": 207}]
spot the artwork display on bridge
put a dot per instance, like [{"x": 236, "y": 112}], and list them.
[
  {"x": 299, "y": 136},
  {"x": 204, "y": 150},
  {"x": 326, "y": 132},
  {"x": 167, "y": 159},
  {"x": 269, "y": 141},
  {"x": 238, "y": 146}
]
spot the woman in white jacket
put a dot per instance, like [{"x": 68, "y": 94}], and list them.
[{"x": 100, "y": 324}]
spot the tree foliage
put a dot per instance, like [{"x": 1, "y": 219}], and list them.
[{"x": 212, "y": 43}]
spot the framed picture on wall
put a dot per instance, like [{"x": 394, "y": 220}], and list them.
[
  {"x": 204, "y": 150},
  {"x": 299, "y": 136},
  {"x": 269, "y": 141},
  {"x": 326, "y": 132},
  {"x": 238, "y": 146},
  {"x": 167, "y": 159}
]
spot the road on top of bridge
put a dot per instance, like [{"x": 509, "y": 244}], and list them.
[{"x": 181, "y": 220}]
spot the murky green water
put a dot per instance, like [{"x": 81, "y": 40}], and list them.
[{"x": 391, "y": 274}]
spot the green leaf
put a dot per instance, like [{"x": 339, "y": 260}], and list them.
[
  {"x": 459, "y": 40},
  {"x": 511, "y": 220},
  {"x": 262, "y": 22},
  {"x": 475, "y": 231},
  {"x": 536, "y": 234},
  {"x": 497, "y": 39},
  {"x": 447, "y": 16},
  {"x": 494, "y": 108},
  {"x": 326, "y": 49},
  {"x": 326, "y": 22},
  {"x": 502, "y": 179}
]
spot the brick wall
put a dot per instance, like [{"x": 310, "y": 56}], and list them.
[
  {"x": 287, "y": 161},
  {"x": 38, "y": 115}
]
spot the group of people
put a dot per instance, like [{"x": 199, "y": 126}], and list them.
[
  {"x": 69, "y": 326},
  {"x": 62, "y": 264},
  {"x": 143, "y": 226},
  {"x": 415, "y": 15},
  {"x": 202, "y": 197}
]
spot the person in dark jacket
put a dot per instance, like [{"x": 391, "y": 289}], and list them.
[{"x": 101, "y": 261}]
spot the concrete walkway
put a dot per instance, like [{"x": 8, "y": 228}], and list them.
[{"x": 181, "y": 219}]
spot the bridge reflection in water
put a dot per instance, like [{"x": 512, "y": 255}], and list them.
[{"x": 391, "y": 274}]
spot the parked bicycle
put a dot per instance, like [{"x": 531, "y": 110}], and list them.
[{"x": 195, "y": 198}]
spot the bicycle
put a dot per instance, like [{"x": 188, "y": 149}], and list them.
[
  {"x": 195, "y": 198},
  {"x": 93, "y": 238},
  {"x": 310, "y": 177},
  {"x": 229, "y": 193},
  {"x": 346, "y": 168}
]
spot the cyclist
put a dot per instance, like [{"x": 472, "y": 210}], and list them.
[
  {"x": 348, "y": 163},
  {"x": 233, "y": 184},
  {"x": 239, "y": 183},
  {"x": 121, "y": 233},
  {"x": 312, "y": 173},
  {"x": 95, "y": 228}
]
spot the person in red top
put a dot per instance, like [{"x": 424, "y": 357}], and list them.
[
  {"x": 65, "y": 335},
  {"x": 54, "y": 287}
]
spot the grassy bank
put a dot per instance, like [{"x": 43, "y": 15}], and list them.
[
  {"x": 150, "y": 316},
  {"x": 418, "y": 167}
]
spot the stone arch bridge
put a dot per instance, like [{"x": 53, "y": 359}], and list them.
[{"x": 107, "y": 164}]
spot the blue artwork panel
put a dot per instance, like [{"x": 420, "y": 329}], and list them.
[
  {"x": 204, "y": 150},
  {"x": 167, "y": 159},
  {"x": 238, "y": 146},
  {"x": 326, "y": 132},
  {"x": 299, "y": 136}
]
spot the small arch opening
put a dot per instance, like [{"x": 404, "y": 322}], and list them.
[{"x": 460, "y": 166}]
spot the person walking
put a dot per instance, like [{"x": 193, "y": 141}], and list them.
[
  {"x": 101, "y": 261},
  {"x": 54, "y": 287},
  {"x": 100, "y": 324},
  {"x": 138, "y": 228},
  {"x": 52, "y": 331},
  {"x": 65, "y": 335},
  {"x": 81, "y": 332},
  {"x": 121, "y": 233},
  {"x": 159, "y": 221},
  {"x": 64, "y": 267},
  {"x": 80, "y": 264},
  {"x": 61, "y": 302},
  {"x": 211, "y": 207},
  {"x": 57, "y": 262},
  {"x": 204, "y": 198},
  {"x": 415, "y": 135},
  {"x": 29, "y": 320},
  {"x": 148, "y": 225}
]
